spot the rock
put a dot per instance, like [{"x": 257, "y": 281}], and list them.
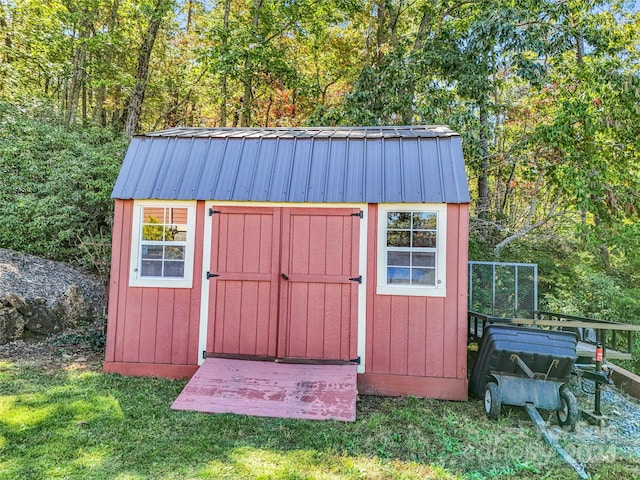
[
  {"x": 40, "y": 319},
  {"x": 11, "y": 323},
  {"x": 43, "y": 297},
  {"x": 73, "y": 309}
]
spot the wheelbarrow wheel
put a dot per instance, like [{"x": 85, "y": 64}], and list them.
[
  {"x": 568, "y": 414},
  {"x": 492, "y": 401}
]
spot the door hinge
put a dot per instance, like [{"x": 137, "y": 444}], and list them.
[
  {"x": 356, "y": 279},
  {"x": 355, "y": 360},
  {"x": 212, "y": 211},
  {"x": 204, "y": 354},
  {"x": 359, "y": 214},
  {"x": 211, "y": 275}
]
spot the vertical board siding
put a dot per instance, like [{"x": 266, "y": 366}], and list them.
[
  {"x": 117, "y": 257},
  {"x": 151, "y": 325},
  {"x": 242, "y": 318},
  {"x": 420, "y": 336},
  {"x": 148, "y": 325},
  {"x": 417, "y": 335},
  {"x": 463, "y": 282},
  {"x": 436, "y": 344},
  {"x": 318, "y": 302},
  {"x": 451, "y": 324}
]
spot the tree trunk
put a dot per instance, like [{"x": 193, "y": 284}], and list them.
[
  {"x": 223, "y": 81},
  {"x": 482, "y": 206},
  {"x": 77, "y": 73},
  {"x": 380, "y": 31},
  {"x": 408, "y": 92},
  {"x": 142, "y": 72},
  {"x": 247, "y": 100},
  {"x": 8, "y": 43},
  {"x": 99, "y": 116}
]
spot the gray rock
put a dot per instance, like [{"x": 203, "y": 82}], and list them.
[
  {"x": 43, "y": 297},
  {"x": 40, "y": 318},
  {"x": 11, "y": 323},
  {"x": 73, "y": 309}
]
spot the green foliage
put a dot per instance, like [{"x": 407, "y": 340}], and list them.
[{"x": 55, "y": 182}]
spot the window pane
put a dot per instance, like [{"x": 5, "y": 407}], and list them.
[
  {"x": 398, "y": 258},
  {"x": 151, "y": 252},
  {"x": 398, "y": 276},
  {"x": 424, "y": 221},
  {"x": 151, "y": 268},
  {"x": 152, "y": 232},
  {"x": 423, "y": 276},
  {"x": 173, "y": 269},
  {"x": 177, "y": 216},
  {"x": 399, "y": 220},
  {"x": 179, "y": 233},
  {"x": 398, "y": 239},
  {"x": 424, "y": 239},
  {"x": 174, "y": 253},
  {"x": 153, "y": 215},
  {"x": 424, "y": 259}
]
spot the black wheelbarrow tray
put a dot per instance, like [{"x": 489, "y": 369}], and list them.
[{"x": 526, "y": 367}]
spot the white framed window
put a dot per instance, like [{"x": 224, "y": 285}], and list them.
[
  {"x": 162, "y": 246},
  {"x": 412, "y": 249}
]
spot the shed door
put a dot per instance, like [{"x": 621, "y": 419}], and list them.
[
  {"x": 318, "y": 301},
  {"x": 283, "y": 287},
  {"x": 244, "y": 296}
]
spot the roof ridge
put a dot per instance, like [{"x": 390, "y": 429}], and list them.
[{"x": 386, "y": 131}]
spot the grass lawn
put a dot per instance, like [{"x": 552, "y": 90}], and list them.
[{"x": 84, "y": 424}]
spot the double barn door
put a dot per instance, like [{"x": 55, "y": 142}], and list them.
[{"x": 284, "y": 282}]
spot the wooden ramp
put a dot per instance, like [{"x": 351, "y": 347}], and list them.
[{"x": 272, "y": 389}]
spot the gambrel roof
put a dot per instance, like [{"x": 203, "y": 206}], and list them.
[{"x": 413, "y": 164}]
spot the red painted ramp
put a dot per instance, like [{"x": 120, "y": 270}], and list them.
[{"x": 272, "y": 389}]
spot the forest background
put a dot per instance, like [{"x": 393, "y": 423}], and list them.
[{"x": 545, "y": 94}]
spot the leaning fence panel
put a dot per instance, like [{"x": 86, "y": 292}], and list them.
[{"x": 503, "y": 289}]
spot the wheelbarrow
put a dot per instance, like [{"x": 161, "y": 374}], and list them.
[{"x": 526, "y": 367}]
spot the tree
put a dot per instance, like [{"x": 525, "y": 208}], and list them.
[{"x": 160, "y": 9}]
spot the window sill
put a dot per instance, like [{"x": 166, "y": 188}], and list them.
[
  {"x": 409, "y": 291},
  {"x": 160, "y": 282}
]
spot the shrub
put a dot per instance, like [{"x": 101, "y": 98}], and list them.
[{"x": 55, "y": 182}]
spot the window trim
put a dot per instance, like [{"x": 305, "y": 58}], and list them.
[
  {"x": 440, "y": 289},
  {"x": 136, "y": 245}
]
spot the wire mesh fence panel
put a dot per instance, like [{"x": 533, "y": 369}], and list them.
[{"x": 503, "y": 289}]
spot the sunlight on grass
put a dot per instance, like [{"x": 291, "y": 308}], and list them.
[
  {"x": 96, "y": 407},
  {"x": 91, "y": 458},
  {"x": 256, "y": 463},
  {"x": 20, "y": 411}
]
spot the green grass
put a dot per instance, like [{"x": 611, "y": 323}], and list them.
[{"x": 91, "y": 425}]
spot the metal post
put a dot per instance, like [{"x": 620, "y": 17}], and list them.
[
  {"x": 515, "y": 306},
  {"x": 493, "y": 289},
  {"x": 470, "y": 299},
  {"x": 596, "y": 404}
]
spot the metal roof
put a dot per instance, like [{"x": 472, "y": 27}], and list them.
[{"x": 323, "y": 165}]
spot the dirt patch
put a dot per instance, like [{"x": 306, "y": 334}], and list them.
[{"x": 70, "y": 350}]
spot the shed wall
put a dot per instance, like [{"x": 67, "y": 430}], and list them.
[
  {"x": 414, "y": 345},
  {"x": 417, "y": 345},
  {"x": 150, "y": 331}
]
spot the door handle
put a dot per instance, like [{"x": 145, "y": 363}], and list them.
[{"x": 284, "y": 276}]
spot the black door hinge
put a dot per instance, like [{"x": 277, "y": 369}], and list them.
[
  {"x": 356, "y": 279},
  {"x": 359, "y": 214},
  {"x": 212, "y": 211},
  {"x": 211, "y": 275},
  {"x": 355, "y": 360}
]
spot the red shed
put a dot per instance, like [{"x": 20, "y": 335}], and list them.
[{"x": 307, "y": 244}]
